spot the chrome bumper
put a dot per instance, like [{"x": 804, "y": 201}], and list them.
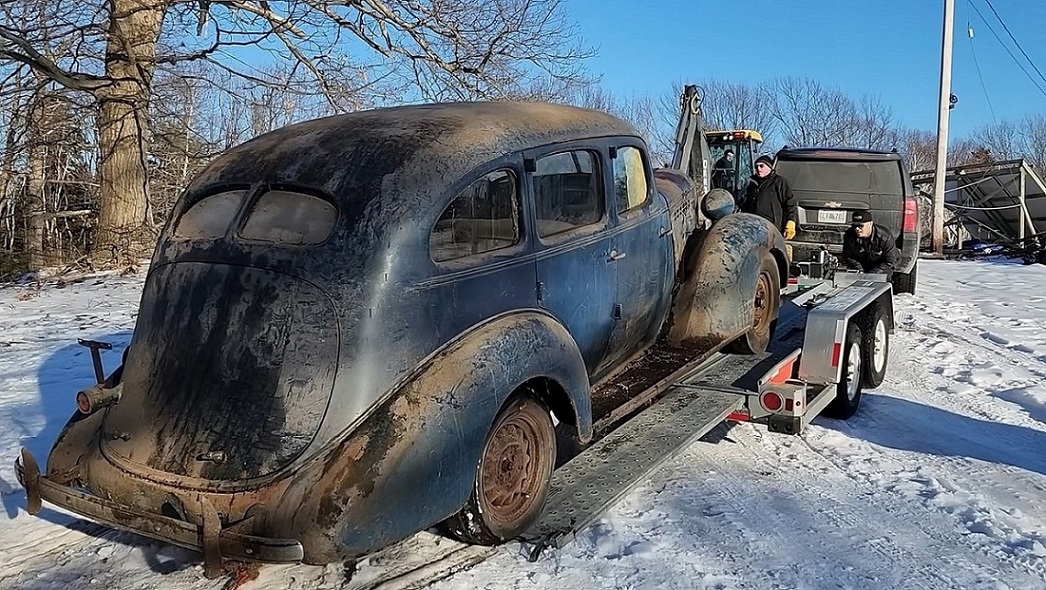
[{"x": 208, "y": 539}]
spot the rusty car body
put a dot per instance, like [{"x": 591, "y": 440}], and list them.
[{"x": 363, "y": 326}]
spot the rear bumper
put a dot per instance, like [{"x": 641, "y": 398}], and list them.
[{"x": 209, "y": 538}]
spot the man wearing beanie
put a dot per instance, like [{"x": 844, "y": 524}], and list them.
[
  {"x": 769, "y": 196},
  {"x": 869, "y": 246}
]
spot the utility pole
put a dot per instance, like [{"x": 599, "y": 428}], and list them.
[{"x": 942, "y": 128}]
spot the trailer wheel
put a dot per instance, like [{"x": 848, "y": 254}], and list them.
[
  {"x": 766, "y": 301},
  {"x": 514, "y": 475},
  {"x": 875, "y": 350},
  {"x": 848, "y": 392}
]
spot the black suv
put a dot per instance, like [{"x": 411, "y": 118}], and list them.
[{"x": 831, "y": 183}]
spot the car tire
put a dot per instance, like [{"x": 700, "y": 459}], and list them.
[
  {"x": 905, "y": 282},
  {"x": 513, "y": 477},
  {"x": 766, "y": 302},
  {"x": 848, "y": 391},
  {"x": 875, "y": 349}
]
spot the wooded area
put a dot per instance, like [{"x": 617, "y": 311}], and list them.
[{"x": 109, "y": 108}]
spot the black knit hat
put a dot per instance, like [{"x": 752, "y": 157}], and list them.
[
  {"x": 861, "y": 216},
  {"x": 766, "y": 160}
]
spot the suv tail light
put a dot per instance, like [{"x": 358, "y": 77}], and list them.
[{"x": 911, "y": 215}]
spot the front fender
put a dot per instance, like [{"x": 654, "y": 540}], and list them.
[
  {"x": 413, "y": 461},
  {"x": 713, "y": 302}
]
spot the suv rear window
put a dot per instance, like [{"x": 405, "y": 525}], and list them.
[{"x": 841, "y": 176}]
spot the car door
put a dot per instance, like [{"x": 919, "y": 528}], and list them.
[
  {"x": 575, "y": 273},
  {"x": 641, "y": 248}
]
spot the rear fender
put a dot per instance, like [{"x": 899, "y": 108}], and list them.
[
  {"x": 713, "y": 299},
  {"x": 413, "y": 461}
]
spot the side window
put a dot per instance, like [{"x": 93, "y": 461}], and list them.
[
  {"x": 285, "y": 217},
  {"x": 210, "y": 216},
  {"x": 567, "y": 192},
  {"x": 629, "y": 179},
  {"x": 482, "y": 218}
]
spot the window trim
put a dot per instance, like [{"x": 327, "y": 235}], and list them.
[{"x": 510, "y": 164}]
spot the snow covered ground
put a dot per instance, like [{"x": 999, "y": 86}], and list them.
[{"x": 939, "y": 481}]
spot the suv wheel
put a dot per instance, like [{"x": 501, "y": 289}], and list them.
[{"x": 905, "y": 282}]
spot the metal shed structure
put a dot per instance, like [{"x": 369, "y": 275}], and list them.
[{"x": 1001, "y": 201}]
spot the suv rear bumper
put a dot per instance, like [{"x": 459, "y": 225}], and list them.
[{"x": 801, "y": 252}]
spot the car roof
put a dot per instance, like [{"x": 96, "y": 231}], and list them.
[
  {"x": 836, "y": 153},
  {"x": 415, "y": 151}
]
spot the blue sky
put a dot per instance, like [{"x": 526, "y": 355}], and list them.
[{"x": 889, "y": 48}]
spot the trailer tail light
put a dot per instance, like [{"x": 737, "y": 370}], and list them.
[
  {"x": 911, "y": 215},
  {"x": 771, "y": 401}
]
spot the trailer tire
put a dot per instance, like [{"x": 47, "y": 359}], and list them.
[
  {"x": 848, "y": 391},
  {"x": 875, "y": 348},
  {"x": 766, "y": 303},
  {"x": 513, "y": 478},
  {"x": 905, "y": 282}
]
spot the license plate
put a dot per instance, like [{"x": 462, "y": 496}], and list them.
[{"x": 831, "y": 216}]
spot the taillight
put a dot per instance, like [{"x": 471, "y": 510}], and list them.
[
  {"x": 771, "y": 401},
  {"x": 911, "y": 215}
]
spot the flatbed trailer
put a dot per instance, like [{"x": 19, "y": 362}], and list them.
[{"x": 831, "y": 341}]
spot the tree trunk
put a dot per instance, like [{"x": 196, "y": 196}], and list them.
[
  {"x": 35, "y": 209},
  {"x": 125, "y": 233}
]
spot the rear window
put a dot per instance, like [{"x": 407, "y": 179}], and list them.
[
  {"x": 883, "y": 178},
  {"x": 285, "y": 217},
  {"x": 209, "y": 217}
]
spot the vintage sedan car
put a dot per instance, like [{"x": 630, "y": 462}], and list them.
[{"x": 363, "y": 326}]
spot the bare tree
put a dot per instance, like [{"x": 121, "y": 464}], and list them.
[
  {"x": 732, "y": 105},
  {"x": 1008, "y": 140},
  {"x": 112, "y": 50}
]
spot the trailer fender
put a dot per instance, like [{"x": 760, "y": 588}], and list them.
[
  {"x": 413, "y": 461},
  {"x": 712, "y": 304}
]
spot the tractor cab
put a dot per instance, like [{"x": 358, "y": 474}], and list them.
[{"x": 732, "y": 171}]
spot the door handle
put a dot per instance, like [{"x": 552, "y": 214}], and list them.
[
  {"x": 615, "y": 255},
  {"x": 664, "y": 232}
]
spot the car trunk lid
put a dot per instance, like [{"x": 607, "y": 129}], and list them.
[{"x": 229, "y": 373}]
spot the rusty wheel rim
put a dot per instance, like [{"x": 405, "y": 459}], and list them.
[
  {"x": 761, "y": 304},
  {"x": 512, "y": 468}
]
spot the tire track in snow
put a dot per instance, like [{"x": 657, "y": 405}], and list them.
[{"x": 968, "y": 490}]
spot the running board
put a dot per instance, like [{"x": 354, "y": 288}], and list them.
[{"x": 592, "y": 482}]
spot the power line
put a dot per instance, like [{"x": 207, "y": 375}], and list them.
[
  {"x": 1015, "y": 42},
  {"x": 969, "y": 34},
  {"x": 1006, "y": 47}
]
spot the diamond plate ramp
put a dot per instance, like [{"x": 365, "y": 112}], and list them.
[{"x": 583, "y": 489}]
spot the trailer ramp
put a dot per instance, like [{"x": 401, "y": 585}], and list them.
[{"x": 586, "y": 487}]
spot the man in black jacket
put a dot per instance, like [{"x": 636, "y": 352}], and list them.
[
  {"x": 869, "y": 247},
  {"x": 769, "y": 195}
]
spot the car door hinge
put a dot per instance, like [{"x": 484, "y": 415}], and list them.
[
  {"x": 541, "y": 291},
  {"x": 617, "y": 311}
]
